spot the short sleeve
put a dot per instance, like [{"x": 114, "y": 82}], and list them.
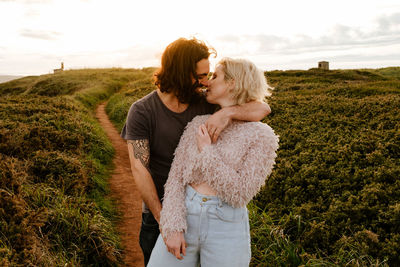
[
  {"x": 208, "y": 107},
  {"x": 137, "y": 123},
  {"x": 211, "y": 108}
]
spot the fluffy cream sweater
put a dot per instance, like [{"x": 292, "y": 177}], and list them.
[{"x": 236, "y": 166}]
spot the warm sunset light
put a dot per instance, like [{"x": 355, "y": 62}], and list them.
[
  {"x": 281, "y": 150},
  {"x": 37, "y": 35}
]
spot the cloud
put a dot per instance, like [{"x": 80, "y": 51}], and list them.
[
  {"x": 341, "y": 45},
  {"x": 139, "y": 52},
  {"x": 339, "y": 37},
  {"x": 40, "y": 34},
  {"x": 389, "y": 23},
  {"x": 29, "y": 2},
  {"x": 229, "y": 38},
  {"x": 15, "y": 62},
  {"x": 361, "y": 57},
  {"x": 31, "y": 12},
  {"x": 131, "y": 57}
]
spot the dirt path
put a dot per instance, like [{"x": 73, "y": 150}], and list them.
[{"x": 124, "y": 190}]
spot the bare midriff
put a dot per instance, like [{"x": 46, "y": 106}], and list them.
[{"x": 204, "y": 189}]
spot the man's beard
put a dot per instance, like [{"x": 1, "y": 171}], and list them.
[
  {"x": 200, "y": 89},
  {"x": 194, "y": 94}
]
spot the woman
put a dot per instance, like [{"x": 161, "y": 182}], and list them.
[{"x": 204, "y": 219}]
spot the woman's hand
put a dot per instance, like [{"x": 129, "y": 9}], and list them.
[
  {"x": 176, "y": 245},
  {"x": 202, "y": 137},
  {"x": 218, "y": 121}
]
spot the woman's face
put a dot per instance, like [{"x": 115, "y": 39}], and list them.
[{"x": 218, "y": 88}]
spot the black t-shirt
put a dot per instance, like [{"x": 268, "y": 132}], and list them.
[{"x": 148, "y": 118}]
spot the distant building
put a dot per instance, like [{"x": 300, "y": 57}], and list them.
[
  {"x": 323, "y": 65},
  {"x": 61, "y": 69}
]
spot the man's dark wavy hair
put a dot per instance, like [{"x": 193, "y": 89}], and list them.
[{"x": 178, "y": 66}]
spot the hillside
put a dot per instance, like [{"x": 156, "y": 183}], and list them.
[
  {"x": 333, "y": 197},
  {"x": 390, "y": 72},
  {"x": 335, "y": 189},
  {"x": 6, "y": 78},
  {"x": 55, "y": 161}
]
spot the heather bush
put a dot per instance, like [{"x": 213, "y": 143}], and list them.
[
  {"x": 333, "y": 197},
  {"x": 337, "y": 169},
  {"x": 59, "y": 170},
  {"x": 19, "y": 224},
  {"x": 54, "y": 161},
  {"x": 51, "y": 158}
]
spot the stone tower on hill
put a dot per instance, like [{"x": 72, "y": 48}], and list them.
[
  {"x": 60, "y": 69},
  {"x": 323, "y": 65}
]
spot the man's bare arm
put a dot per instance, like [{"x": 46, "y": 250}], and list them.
[
  {"x": 251, "y": 111},
  {"x": 139, "y": 155}
]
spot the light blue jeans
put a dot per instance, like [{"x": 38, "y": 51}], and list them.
[{"x": 217, "y": 235}]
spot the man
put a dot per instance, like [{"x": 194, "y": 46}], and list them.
[{"x": 156, "y": 122}]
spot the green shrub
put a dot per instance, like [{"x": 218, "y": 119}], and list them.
[
  {"x": 54, "y": 163},
  {"x": 17, "y": 86},
  {"x": 332, "y": 198},
  {"x": 54, "y": 86},
  {"x": 54, "y": 158},
  {"x": 61, "y": 171},
  {"x": 76, "y": 227},
  {"x": 19, "y": 225},
  {"x": 337, "y": 168}
]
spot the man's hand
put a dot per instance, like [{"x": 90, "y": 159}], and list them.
[
  {"x": 217, "y": 122},
  {"x": 250, "y": 111},
  {"x": 176, "y": 245}
]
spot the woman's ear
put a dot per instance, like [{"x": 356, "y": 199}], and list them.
[{"x": 231, "y": 84}]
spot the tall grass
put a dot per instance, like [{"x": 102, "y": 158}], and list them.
[
  {"x": 119, "y": 104},
  {"x": 332, "y": 199},
  {"x": 54, "y": 163},
  {"x": 336, "y": 167}
]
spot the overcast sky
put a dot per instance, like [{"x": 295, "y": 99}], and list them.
[{"x": 37, "y": 35}]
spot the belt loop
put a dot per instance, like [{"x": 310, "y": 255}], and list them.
[
  {"x": 220, "y": 202},
  {"x": 193, "y": 193}
]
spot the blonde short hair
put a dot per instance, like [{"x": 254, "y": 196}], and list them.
[{"x": 250, "y": 82}]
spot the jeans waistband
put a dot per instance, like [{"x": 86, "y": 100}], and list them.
[{"x": 192, "y": 194}]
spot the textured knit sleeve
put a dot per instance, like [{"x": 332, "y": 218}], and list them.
[
  {"x": 238, "y": 184},
  {"x": 173, "y": 213}
]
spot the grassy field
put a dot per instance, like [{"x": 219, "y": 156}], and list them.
[
  {"x": 333, "y": 198},
  {"x": 54, "y": 165}
]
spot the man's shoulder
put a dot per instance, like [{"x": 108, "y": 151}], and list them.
[
  {"x": 138, "y": 121},
  {"x": 204, "y": 105},
  {"x": 197, "y": 121},
  {"x": 145, "y": 104},
  {"x": 146, "y": 100}
]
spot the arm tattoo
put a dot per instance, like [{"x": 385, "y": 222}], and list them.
[{"x": 141, "y": 151}]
